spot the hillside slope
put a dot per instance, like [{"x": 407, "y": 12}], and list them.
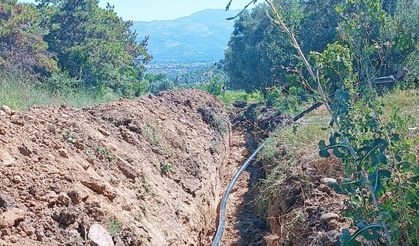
[
  {"x": 148, "y": 170},
  {"x": 201, "y": 37}
]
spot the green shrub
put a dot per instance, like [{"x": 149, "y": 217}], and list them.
[
  {"x": 215, "y": 87},
  {"x": 165, "y": 168},
  {"x": 114, "y": 227},
  {"x": 156, "y": 83},
  {"x": 105, "y": 153},
  {"x": 231, "y": 96},
  {"x": 283, "y": 99},
  {"x": 62, "y": 83}
]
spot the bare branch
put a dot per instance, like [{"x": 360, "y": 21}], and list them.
[
  {"x": 241, "y": 12},
  {"x": 228, "y": 5}
]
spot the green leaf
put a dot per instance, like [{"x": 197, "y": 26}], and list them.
[
  {"x": 347, "y": 186},
  {"x": 345, "y": 96},
  {"x": 376, "y": 179},
  {"x": 323, "y": 149},
  {"x": 411, "y": 158},
  {"x": 369, "y": 234},
  {"x": 346, "y": 239},
  {"x": 378, "y": 158},
  {"x": 375, "y": 151},
  {"x": 337, "y": 152}
]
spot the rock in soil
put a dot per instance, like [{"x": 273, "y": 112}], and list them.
[
  {"x": 100, "y": 236},
  {"x": 6, "y": 109}
]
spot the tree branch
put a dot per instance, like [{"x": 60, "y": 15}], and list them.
[{"x": 241, "y": 12}]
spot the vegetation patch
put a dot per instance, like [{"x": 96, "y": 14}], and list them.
[
  {"x": 151, "y": 135},
  {"x": 282, "y": 151},
  {"x": 105, "y": 153},
  {"x": 22, "y": 92},
  {"x": 165, "y": 168},
  {"x": 114, "y": 226},
  {"x": 292, "y": 196},
  {"x": 212, "y": 119}
]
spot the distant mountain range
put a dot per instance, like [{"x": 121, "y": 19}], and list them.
[{"x": 201, "y": 37}]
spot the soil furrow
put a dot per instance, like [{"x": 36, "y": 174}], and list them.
[{"x": 243, "y": 224}]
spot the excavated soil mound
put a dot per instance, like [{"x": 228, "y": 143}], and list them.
[
  {"x": 146, "y": 170},
  {"x": 258, "y": 119},
  {"x": 302, "y": 208}
]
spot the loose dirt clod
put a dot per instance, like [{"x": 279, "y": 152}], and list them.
[
  {"x": 329, "y": 216},
  {"x": 6, "y": 110},
  {"x": 11, "y": 217}
]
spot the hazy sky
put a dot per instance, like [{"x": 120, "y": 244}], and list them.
[{"x": 147, "y": 10}]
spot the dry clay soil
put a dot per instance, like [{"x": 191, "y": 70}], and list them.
[{"x": 151, "y": 171}]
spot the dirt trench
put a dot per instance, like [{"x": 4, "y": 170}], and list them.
[
  {"x": 150, "y": 171},
  {"x": 244, "y": 226}
]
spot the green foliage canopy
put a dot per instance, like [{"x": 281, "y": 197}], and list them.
[
  {"x": 260, "y": 56},
  {"x": 373, "y": 38},
  {"x": 21, "y": 40},
  {"x": 94, "y": 45}
]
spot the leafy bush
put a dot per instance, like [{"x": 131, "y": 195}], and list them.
[
  {"x": 380, "y": 165},
  {"x": 216, "y": 86},
  {"x": 159, "y": 86},
  {"x": 61, "y": 82},
  {"x": 336, "y": 67},
  {"x": 231, "y": 96},
  {"x": 157, "y": 83},
  {"x": 283, "y": 99}
]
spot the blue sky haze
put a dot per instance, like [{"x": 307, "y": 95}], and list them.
[{"x": 147, "y": 10}]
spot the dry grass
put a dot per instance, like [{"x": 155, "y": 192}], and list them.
[
  {"x": 20, "y": 93},
  {"x": 407, "y": 101},
  {"x": 283, "y": 150}
]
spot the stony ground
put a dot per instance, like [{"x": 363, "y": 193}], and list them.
[{"x": 147, "y": 171}]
